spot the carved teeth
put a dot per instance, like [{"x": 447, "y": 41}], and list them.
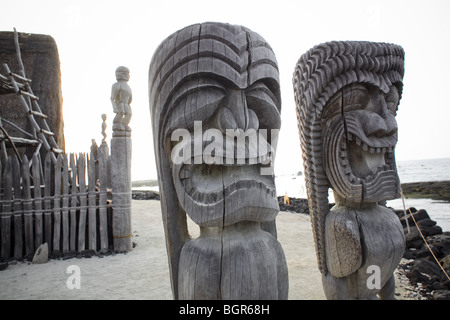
[
  {"x": 184, "y": 174},
  {"x": 349, "y": 136},
  {"x": 347, "y": 170},
  {"x": 383, "y": 154},
  {"x": 365, "y": 147},
  {"x": 370, "y": 149}
]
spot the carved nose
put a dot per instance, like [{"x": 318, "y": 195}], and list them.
[
  {"x": 380, "y": 122},
  {"x": 237, "y": 104},
  {"x": 236, "y": 114}
]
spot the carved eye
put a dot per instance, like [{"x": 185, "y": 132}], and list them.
[{"x": 392, "y": 98}]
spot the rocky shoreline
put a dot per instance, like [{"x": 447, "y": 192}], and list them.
[
  {"x": 419, "y": 265},
  {"x": 144, "y": 195},
  {"x": 436, "y": 190},
  {"x": 418, "y": 272}
]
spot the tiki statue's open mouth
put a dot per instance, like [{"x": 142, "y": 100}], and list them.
[
  {"x": 228, "y": 192},
  {"x": 361, "y": 134}
]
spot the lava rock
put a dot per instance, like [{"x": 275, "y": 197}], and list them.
[
  {"x": 418, "y": 216},
  {"x": 414, "y": 233},
  {"x": 428, "y": 267}
]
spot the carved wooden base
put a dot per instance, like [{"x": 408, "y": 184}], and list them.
[{"x": 235, "y": 262}]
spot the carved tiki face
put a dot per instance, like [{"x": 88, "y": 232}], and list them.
[
  {"x": 214, "y": 80},
  {"x": 360, "y": 134}
]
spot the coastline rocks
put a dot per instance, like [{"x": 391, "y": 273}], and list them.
[
  {"x": 294, "y": 205},
  {"x": 144, "y": 195},
  {"x": 419, "y": 265},
  {"x": 436, "y": 190}
]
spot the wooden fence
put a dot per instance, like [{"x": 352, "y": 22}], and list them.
[{"x": 64, "y": 204}]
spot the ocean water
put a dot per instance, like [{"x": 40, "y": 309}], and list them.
[{"x": 409, "y": 171}]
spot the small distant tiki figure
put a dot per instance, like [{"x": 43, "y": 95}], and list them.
[
  {"x": 104, "y": 127},
  {"x": 121, "y": 97},
  {"x": 347, "y": 94},
  {"x": 209, "y": 82}
]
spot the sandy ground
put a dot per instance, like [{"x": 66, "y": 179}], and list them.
[{"x": 143, "y": 272}]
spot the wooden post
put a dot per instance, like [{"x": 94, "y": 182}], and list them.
[
  {"x": 121, "y": 189},
  {"x": 65, "y": 205},
  {"x": 92, "y": 205},
  {"x": 81, "y": 163},
  {"x": 102, "y": 200},
  {"x": 57, "y": 205},
  {"x": 121, "y": 97},
  {"x": 38, "y": 226},
  {"x": 18, "y": 233},
  {"x": 47, "y": 200},
  {"x": 27, "y": 209},
  {"x": 6, "y": 210},
  {"x": 73, "y": 204}
]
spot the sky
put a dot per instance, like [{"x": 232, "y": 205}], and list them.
[{"x": 95, "y": 37}]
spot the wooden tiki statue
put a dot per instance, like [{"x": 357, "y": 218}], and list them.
[
  {"x": 212, "y": 85},
  {"x": 347, "y": 95}
]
